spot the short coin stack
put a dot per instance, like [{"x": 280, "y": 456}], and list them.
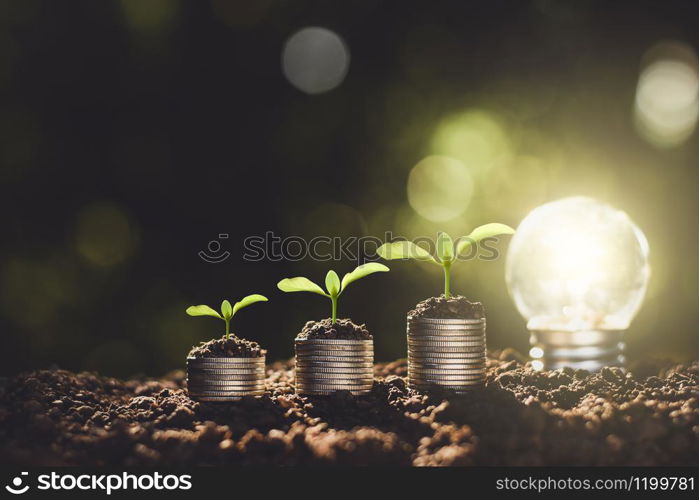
[
  {"x": 324, "y": 366},
  {"x": 225, "y": 379},
  {"x": 449, "y": 353}
]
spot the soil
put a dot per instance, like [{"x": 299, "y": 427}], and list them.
[
  {"x": 456, "y": 307},
  {"x": 326, "y": 329},
  {"x": 521, "y": 417},
  {"x": 233, "y": 347}
]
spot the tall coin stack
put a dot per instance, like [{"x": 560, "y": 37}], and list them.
[
  {"x": 449, "y": 353},
  {"x": 225, "y": 379},
  {"x": 324, "y": 366}
]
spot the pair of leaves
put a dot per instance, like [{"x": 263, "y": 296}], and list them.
[
  {"x": 227, "y": 311},
  {"x": 446, "y": 250},
  {"x": 333, "y": 285}
]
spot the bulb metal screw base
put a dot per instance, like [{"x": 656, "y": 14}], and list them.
[{"x": 589, "y": 350}]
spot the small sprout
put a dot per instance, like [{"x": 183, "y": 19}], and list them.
[
  {"x": 227, "y": 311},
  {"x": 333, "y": 285},
  {"x": 447, "y": 252}
]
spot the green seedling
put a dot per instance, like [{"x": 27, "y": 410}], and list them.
[
  {"x": 332, "y": 283},
  {"x": 227, "y": 311},
  {"x": 447, "y": 252}
]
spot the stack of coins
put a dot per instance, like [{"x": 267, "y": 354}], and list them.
[
  {"x": 225, "y": 379},
  {"x": 449, "y": 353},
  {"x": 324, "y": 366}
]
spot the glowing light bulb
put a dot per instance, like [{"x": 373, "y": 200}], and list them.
[{"x": 577, "y": 270}]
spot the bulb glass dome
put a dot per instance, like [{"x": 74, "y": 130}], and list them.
[{"x": 577, "y": 264}]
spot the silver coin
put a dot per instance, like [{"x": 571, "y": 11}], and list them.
[
  {"x": 446, "y": 321},
  {"x": 232, "y": 361},
  {"x": 335, "y": 359},
  {"x": 229, "y": 369},
  {"x": 455, "y": 387},
  {"x": 334, "y": 347},
  {"x": 335, "y": 366},
  {"x": 327, "y": 392},
  {"x": 436, "y": 355},
  {"x": 334, "y": 380},
  {"x": 462, "y": 390},
  {"x": 221, "y": 399},
  {"x": 439, "y": 351},
  {"x": 452, "y": 330},
  {"x": 334, "y": 383},
  {"x": 224, "y": 390},
  {"x": 230, "y": 383},
  {"x": 445, "y": 368},
  {"x": 316, "y": 373},
  {"x": 446, "y": 362},
  {"x": 225, "y": 374},
  {"x": 219, "y": 394},
  {"x": 334, "y": 342},
  {"x": 417, "y": 332},
  {"x": 352, "y": 378},
  {"x": 445, "y": 338},
  {"x": 446, "y": 326},
  {"x": 446, "y": 350},
  {"x": 433, "y": 372},
  {"x": 461, "y": 365},
  {"x": 219, "y": 380},
  {"x": 232, "y": 371},
  {"x": 460, "y": 379},
  {"x": 323, "y": 389},
  {"x": 334, "y": 352},
  {"x": 335, "y": 369},
  {"x": 342, "y": 351},
  {"x": 445, "y": 344}
]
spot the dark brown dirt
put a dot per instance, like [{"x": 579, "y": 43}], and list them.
[
  {"x": 233, "y": 347},
  {"x": 456, "y": 307},
  {"x": 520, "y": 417},
  {"x": 342, "y": 329}
]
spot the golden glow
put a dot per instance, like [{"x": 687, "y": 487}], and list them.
[
  {"x": 439, "y": 188},
  {"x": 475, "y": 137},
  {"x": 667, "y": 95}
]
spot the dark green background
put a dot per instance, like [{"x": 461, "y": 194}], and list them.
[{"x": 132, "y": 133}]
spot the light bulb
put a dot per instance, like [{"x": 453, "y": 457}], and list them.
[{"x": 577, "y": 270}]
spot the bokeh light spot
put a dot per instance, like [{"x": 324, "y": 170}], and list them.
[
  {"x": 474, "y": 137},
  {"x": 104, "y": 235},
  {"x": 667, "y": 96},
  {"x": 315, "y": 60},
  {"x": 439, "y": 188}
]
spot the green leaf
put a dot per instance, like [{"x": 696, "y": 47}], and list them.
[
  {"x": 361, "y": 271},
  {"x": 202, "y": 310},
  {"x": 482, "y": 232},
  {"x": 445, "y": 247},
  {"x": 300, "y": 284},
  {"x": 226, "y": 310},
  {"x": 403, "y": 250},
  {"x": 245, "y": 302},
  {"x": 332, "y": 283}
]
